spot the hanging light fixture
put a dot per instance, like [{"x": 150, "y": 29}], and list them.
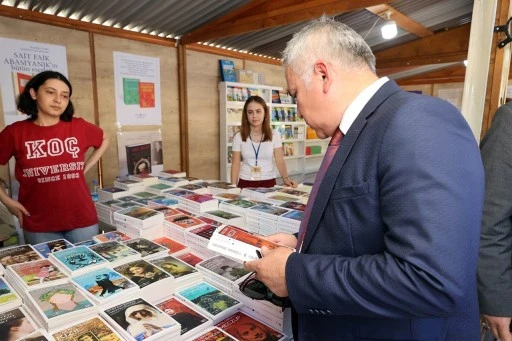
[{"x": 389, "y": 29}]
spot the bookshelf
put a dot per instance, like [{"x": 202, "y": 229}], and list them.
[{"x": 300, "y": 163}]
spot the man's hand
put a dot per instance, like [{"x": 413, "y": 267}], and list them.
[
  {"x": 271, "y": 269},
  {"x": 284, "y": 239},
  {"x": 500, "y": 326}
]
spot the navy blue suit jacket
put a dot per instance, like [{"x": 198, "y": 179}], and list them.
[{"x": 391, "y": 247}]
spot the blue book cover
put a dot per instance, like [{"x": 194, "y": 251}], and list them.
[
  {"x": 52, "y": 246},
  {"x": 227, "y": 70},
  {"x": 103, "y": 283},
  {"x": 294, "y": 214},
  {"x": 209, "y": 298},
  {"x": 78, "y": 257},
  {"x": 113, "y": 251}
]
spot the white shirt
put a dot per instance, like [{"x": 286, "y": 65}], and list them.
[
  {"x": 358, "y": 104},
  {"x": 265, "y": 155}
]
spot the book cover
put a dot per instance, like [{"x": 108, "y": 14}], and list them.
[
  {"x": 214, "y": 334},
  {"x": 142, "y": 272},
  {"x": 103, "y": 282},
  {"x": 275, "y": 96},
  {"x": 138, "y": 158},
  {"x": 227, "y": 70},
  {"x": 51, "y": 246},
  {"x": 59, "y": 300},
  {"x": 184, "y": 221},
  {"x": 18, "y": 254},
  {"x": 246, "y": 328},
  {"x": 140, "y": 319},
  {"x": 173, "y": 266},
  {"x": 293, "y": 205},
  {"x": 113, "y": 251},
  {"x": 164, "y": 201},
  {"x": 190, "y": 258},
  {"x": 7, "y": 294},
  {"x": 19, "y": 81},
  {"x": 205, "y": 231},
  {"x": 209, "y": 298},
  {"x": 187, "y": 317},
  {"x": 95, "y": 329},
  {"x": 78, "y": 257},
  {"x": 241, "y": 203},
  {"x": 15, "y": 325},
  {"x": 294, "y": 192},
  {"x": 111, "y": 236},
  {"x": 210, "y": 221},
  {"x": 223, "y": 214},
  {"x": 145, "y": 246},
  {"x": 294, "y": 215},
  {"x": 130, "y": 91},
  {"x": 172, "y": 245},
  {"x": 86, "y": 243},
  {"x": 38, "y": 272},
  {"x": 147, "y": 94},
  {"x": 225, "y": 267}
]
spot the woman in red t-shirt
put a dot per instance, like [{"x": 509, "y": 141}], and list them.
[{"x": 49, "y": 148}]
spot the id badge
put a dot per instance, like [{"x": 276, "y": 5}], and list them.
[{"x": 255, "y": 172}]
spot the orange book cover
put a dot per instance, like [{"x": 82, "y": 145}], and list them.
[{"x": 147, "y": 95}]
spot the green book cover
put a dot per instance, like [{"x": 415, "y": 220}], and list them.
[{"x": 131, "y": 91}]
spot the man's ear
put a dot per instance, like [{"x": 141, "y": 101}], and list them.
[{"x": 321, "y": 70}]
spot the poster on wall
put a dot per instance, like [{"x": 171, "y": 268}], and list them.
[
  {"x": 140, "y": 152},
  {"x": 20, "y": 60},
  {"x": 137, "y": 89}
]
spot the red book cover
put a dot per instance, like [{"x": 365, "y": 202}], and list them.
[{"x": 147, "y": 95}]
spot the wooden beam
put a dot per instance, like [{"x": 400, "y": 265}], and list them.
[
  {"x": 401, "y": 20},
  {"x": 444, "y": 47},
  {"x": 183, "y": 99},
  {"x": 233, "y": 54},
  {"x": 450, "y": 74},
  {"x": 271, "y": 13}
]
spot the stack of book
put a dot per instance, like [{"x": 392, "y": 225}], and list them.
[
  {"x": 46, "y": 248},
  {"x": 17, "y": 317},
  {"x": 105, "y": 286},
  {"x": 94, "y": 328},
  {"x": 197, "y": 239},
  {"x": 146, "y": 248},
  {"x": 194, "y": 188},
  {"x": 192, "y": 323},
  {"x": 173, "y": 246},
  {"x": 111, "y": 193},
  {"x": 263, "y": 219},
  {"x": 226, "y": 218},
  {"x": 171, "y": 203},
  {"x": 136, "y": 221},
  {"x": 294, "y": 205},
  {"x": 237, "y": 206},
  {"x": 111, "y": 236},
  {"x": 258, "y": 193},
  {"x": 279, "y": 199},
  {"x": 9, "y": 299},
  {"x": 116, "y": 253},
  {"x": 159, "y": 188},
  {"x": 184, "y": 274},
  {"x": 146, "y": 179},
  {"x": 33, "y": 275},
  {"x": 178, "y": 194},
  {"x": 176, "y": 225},
  {"x": 223, "y": 187},
  {"x": 240, "y": 325},
  {"x": 198, "y": 203},
  {"x": 223, "y": 196},
  {"x": 266, "y": 312},
  {"x": 77, "y": 260},
  {"x": 171, "y": 173},
  {"x": 16, "y": 255},
  {"x": 59, "y": 305},
  {"x": 209, "y": 301},
  {"x": 290, "y": 221},
  {"x": 190, "y": 257},
  {"x": 138, "y": 319},
  {"x": 155, "y": 284},
  {"x": 131, "y": 186},
  {"x": 166, "y": 210},
  {"x": 214, "y": 334},
  {"x": 105, "y": 210},
  {"x": 223, "y": 272},
  {"x": 172, "y": 181}
]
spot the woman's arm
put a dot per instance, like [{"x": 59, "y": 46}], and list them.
[
  {"x": 281, "y": 166},
  {"x": 13, "y": 206},
  {"x": 235, "y": 167},
  {"x": 98, "y": 152}
]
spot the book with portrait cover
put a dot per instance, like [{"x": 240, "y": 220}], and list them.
[
  {"x": 214, "y": 334},
  {"x": 92, "y": 329},
  {"x": 138, "y": 158},
  {"x": 17, "y": 254},
  {"x": 147, "y": 248},
  {"x": 51, "y": 246},
  {"x": 16, "y": 324},
  {"x": 131, "y": 91},
  {"x": 35, "y": 274},
  {"x": 147, "y": 94},
  {"x": 111, "y": 236},
  {"x": 183, "y": 273},
  {"x": 139, "y": 320},
  {"x": 105, "y": 285},
  {"x": 245, "y": 327},
  {"x": 77, "y": 260},
  {"x": 116, "y": 253},
  {"x": 140, "y": 217},
  {"x": 191, "y": 321},
  {"x": 223, "y": 272},
  {"x": 209, "y": 300},
  {"x": 142, "y": 273}
]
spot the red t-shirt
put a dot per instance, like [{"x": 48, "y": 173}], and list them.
[{"x": 50, "y": 170}]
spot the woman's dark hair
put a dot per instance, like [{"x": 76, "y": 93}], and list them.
[
  {"x": 245, "y": 128},
  {"x": 27, "y": 105}
]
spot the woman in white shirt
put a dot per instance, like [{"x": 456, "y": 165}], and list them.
[{"x": 255, "y": 146}]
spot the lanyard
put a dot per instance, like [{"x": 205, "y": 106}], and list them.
[{"x": 256, "y": 151}]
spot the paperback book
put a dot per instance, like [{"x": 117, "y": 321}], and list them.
[
  {"x": 16, "y": 324},
  {"x": 172, "y": 173},
  {"x": 111, "y": 236},
  {"x": 190, "y": 258},
  {"x": 191, "y": 321},
  {"x": 140, "y": 320},
  {"x": 147, "y": 248},
  {"x": 94, "y": 329},
  {"x": 52, "y": 246},
  {"x": 17, "y": 254},
  {"x": 116, "y": 253},
  {"x": 245, "y": 327},
  {"x": 223, "y": 272},
  {"x": 35, "y": 274},
  {"x": 77, "y": 260},
  {"x": 183, "y": 273},
  {"x": 173, "y": 246},
  {"x": 129, "y": 185},
  {"x": 197, "y": 239},
  {"x": 214, "y": 334},
  {"x": 9, "y": 299},
  {"x": 140, "y": 217}
]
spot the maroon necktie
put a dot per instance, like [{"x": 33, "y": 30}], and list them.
[{"x": 329, "y": 155}]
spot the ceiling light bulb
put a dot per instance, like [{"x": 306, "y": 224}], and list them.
[
  {"x": 389, "y": 29},
  {"x": 466, "y": 63}
]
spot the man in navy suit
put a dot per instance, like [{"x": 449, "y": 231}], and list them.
[{"x": 390, "y": 248}]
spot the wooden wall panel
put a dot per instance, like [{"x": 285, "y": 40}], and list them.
[
  {"x": 426, "y": 89},
  {"x": 105, "y": 47},
  {"x": 78, "y": 58},
  {"x": 274, "y": 74}
]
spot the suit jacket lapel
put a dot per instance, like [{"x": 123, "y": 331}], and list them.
[{"x": 332, "y": 173}]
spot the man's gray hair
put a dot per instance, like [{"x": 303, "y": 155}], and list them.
[{"x": 331, "y": 41}]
